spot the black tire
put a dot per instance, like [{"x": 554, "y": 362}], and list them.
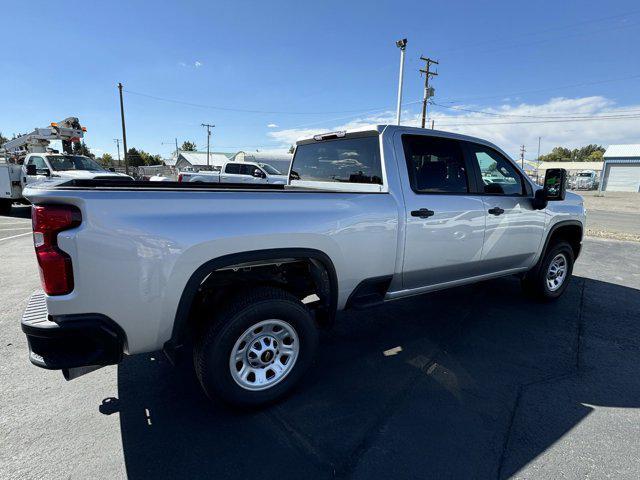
[
  {"x": 213, "y": 349},
  {"x": 5, "y": 206},
  {"x": 535, "y": 281}
]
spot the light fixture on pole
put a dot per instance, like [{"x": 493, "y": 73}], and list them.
[{"x": 402, "y": 45}]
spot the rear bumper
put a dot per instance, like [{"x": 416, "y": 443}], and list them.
[{"x": 70, "y": 341}]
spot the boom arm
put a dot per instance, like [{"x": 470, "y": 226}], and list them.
[{"x": 67, "y": 130}]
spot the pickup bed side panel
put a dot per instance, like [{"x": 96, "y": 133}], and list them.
[{"x": 136, "y": 250}]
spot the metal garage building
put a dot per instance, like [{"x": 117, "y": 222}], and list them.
[{"x": 621, "y": 170}]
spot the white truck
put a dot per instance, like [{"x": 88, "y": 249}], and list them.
[
  {"x": 237, "y": 172},
  {"x": 586, "y": 180},
  {"x": 240, "y": 275},
  {"x": 28, "y": 159}
]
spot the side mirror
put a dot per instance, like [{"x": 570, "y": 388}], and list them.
[
  {"x": 555, "y": 184},
  {"x": 32, "y": 170},
  {"x": 258, "y": 173},
  {"x": 111, "y": 169}
]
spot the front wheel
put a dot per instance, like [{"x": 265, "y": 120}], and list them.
[
  {"x": 257, "y": 349},
  {"x": 550, "y": 278}
]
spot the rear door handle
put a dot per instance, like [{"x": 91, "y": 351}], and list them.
[
  {"x": 422, "y": 213},
  {"x": 496, "y": 211}
]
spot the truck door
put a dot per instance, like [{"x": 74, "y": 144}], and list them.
[
  {"x": 231, "y": 173},
  {"x": 514, "y": 229},
  {"x": 445, "y": 220}
]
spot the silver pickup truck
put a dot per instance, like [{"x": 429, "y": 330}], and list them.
[{"x": 241, "y": 276}]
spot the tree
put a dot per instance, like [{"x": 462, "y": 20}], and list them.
[
  {"x": 3, "y": 139},
  {"x": 139, "y": 158},
  {"x": 589, "y": 153},
  {"x": 106, "y": 159},
  {"x": 82, "y": 149},
  {"x": 188, "y": 146},
  {"x": 134, "y": 158}
]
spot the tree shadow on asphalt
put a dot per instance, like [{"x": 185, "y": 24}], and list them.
[{"x": 486, "y": 381}]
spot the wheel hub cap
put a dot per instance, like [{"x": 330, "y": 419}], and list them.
[
  {"x": 557, "y": 272},
  {"x": 264, "y": 354}
]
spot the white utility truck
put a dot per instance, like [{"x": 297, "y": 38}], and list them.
[{"x": 28, "y": 159}]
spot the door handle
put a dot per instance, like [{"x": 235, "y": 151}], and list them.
[
  {"x": 496, "y": 211},
  {"x": 422, "y": 213}
]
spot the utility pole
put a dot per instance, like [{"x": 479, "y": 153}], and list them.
[
  {"x": 117, "y": 140},
  {"x": 432, "y": 123},
  {"x": 427, "y": 91},
  {"x": 522, "y": 150},
  {"x": 539, "y": 140},
  {"x": 124, "y": 131},
  {"x": 402, "y": 45},
  {"x": 208, "y": 127}
]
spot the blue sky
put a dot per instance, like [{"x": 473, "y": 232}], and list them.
[{"x": 321, "y": 65}]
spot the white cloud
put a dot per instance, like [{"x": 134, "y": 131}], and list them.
[
  {"x": 197, "y": 64},
  {"x": 513, "y": 125},
  {"x": 272, "y": 125},
  {"x": 182, "y": 64}
]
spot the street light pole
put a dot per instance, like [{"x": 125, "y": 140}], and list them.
[{"x": 402, "y": 45}]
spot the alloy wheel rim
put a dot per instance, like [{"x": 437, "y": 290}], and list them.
[
  {"x": 557, "y": 272},
  {"x": 264, "y": 355}
]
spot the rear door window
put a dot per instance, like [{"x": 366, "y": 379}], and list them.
[
  {"x": 435, "y": 164},
  {"x": 232, "y": 168},
  {"x": 350, "y": 160}
]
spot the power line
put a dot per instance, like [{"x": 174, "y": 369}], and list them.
[
  {"x": 233, "y": 109},
  {"x": 506, "y": 115},
  {"x": 538, "y": 121}
]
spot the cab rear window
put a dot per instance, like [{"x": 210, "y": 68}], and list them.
[{"x": 349, "y": 160}]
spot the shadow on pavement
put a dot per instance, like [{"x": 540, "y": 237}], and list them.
[
  {"x": 19, "y": 211},
  {"x": 486, "y": 381}
]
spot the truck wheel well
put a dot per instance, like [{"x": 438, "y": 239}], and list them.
[
  {"x": 301, "y": 272},
  {"x": 571, "y": 233}
]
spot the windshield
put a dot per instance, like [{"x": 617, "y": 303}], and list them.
[
  {"x": 73, "y": 162},
  {"x": 269, "y": 169}
]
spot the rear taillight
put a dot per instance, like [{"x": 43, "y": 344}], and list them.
[
  {"x": 180, "y": 177},
  {"x": 56, "y": 271}
]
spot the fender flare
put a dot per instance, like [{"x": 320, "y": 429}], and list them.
[
  {"x": 552, "y": 229},
  {"x": 202, "y": 272}
]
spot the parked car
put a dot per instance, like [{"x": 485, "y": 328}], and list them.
[
  {"x": 237, "y": 172},
  {"x": 241, "y": 276}
]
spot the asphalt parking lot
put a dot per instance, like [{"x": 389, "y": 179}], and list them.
[{"x": 487, "y": 384}]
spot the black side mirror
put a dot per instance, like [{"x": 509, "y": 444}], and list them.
[
  {"x": 32, "y": 170},
  {"x": 258, "y": 173},
  {"x": 555, "y": 184},
  {"x": 111, "y": 169},
  {"x": 46, "y": 172}
]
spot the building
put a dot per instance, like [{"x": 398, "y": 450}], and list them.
[
  {"x": 279, "y": 161},
  {"x": 198, "y": 160},
  {"x": 621, "y": 171}
]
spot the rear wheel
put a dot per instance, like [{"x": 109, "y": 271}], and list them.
[
  {"x": 257, "y": 349},
  {"x": 5, "y": 206},
  {"x": 550, "y": 278}
]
